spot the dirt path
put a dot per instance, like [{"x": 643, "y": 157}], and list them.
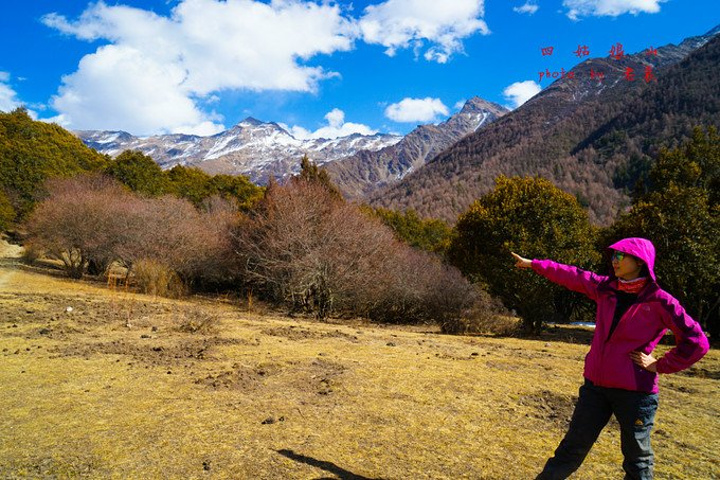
[{"x": 9, "y": 258}]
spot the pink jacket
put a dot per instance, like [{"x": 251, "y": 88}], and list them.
[{"x": 643, "y": 325}]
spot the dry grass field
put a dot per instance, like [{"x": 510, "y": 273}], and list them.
[{"x": 98, "y": 383}]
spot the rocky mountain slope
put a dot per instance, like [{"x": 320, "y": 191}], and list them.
[
  {"x": 366, "y": 171},
  {"x": 253, "y": 148},
  {"x": 358, "y": 163}
]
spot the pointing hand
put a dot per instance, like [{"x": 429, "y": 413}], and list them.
[{"x": 521, "y": 262}]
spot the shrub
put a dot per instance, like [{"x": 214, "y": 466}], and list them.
[
  {"x": 83, "y": 219},
  {"x": 196, "y": 245},
  {"x": 432, "y": 235},
  {"x": 535, "y": 219},
  {"x": 7, "y": 212},
  {"x": 486, "y": 316},
  {"x": 198, "y": 320},
  {"x": 91, "y": 221},
  {"x": 155, "y": 278},
  {"x": 307, "y": 249}
]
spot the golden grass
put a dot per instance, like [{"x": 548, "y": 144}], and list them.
[{"x": 117, "y": 389}]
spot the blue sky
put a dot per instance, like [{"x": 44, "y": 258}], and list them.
[{"x": 320, "y": 68}]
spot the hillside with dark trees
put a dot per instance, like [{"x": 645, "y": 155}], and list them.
[{"x": 594, "y": 139}]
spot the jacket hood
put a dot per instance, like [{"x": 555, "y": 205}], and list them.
[{"x": 641, "y": 248}]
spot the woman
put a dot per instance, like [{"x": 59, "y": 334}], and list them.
[{"x": 621, "y": 375}]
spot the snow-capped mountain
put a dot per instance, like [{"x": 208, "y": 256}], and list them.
[
  {"x": 366, "y": 171},
  {"x": 253, "y": 148},
  {"x": 359, "y": 163}
]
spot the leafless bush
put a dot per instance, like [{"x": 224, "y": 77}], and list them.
[
  {"x": 31, "y": 253},
  {"x": 91, "y": 221},
  {"x": 82, "y": 221},
  {"x": 487, "y": 315},
  {"x": 309, "y": 250},
  {"x": 198, "y": 320}
]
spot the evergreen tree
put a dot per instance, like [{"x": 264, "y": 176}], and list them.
[
  {"x": 190, "y": 183},
  {"x": 680, "y": 214},
  {"x": 139, "y": 172},
  {"x": 309, "y": 172},
  {"x": 30, "y": 153},
  {"x": 432, "y": 235},
  {"x": 536, "y": 219},
  {"x": 237, "y": 188}
]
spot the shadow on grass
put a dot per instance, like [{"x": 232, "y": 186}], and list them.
[{"x": 330, "y": 467}]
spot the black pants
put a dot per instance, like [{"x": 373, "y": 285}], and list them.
[{"x": 635, "y": 412}]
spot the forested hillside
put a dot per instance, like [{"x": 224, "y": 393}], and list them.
[
  {"x": 592, "y": 139},
  {"x": 31, "y": 152}
]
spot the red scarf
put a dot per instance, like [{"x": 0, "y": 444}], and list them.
[{"x": 632, "y": 286}]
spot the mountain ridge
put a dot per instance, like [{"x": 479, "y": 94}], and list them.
[
  {"x": 261, "y": 150},
  {"x": 545, "y": 137}
]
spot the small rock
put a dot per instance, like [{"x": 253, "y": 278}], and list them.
[
  {"x": 154, "y": 329},
  {"x": 547, "y": 344},
  {"x": 390, "y": 344},
  {"x": 268, "y": 421},
  {"x": 474, "y": 354},
  {"x": 69, "y": 309},
  {"x": 145, "y": 336},
  {"x": 45, "y": 331},
  {"x": 206, "y": 466}
]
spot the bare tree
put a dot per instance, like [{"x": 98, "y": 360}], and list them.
[
  {"x": 308, "y": 249},
  {"x": 82, "y": 221}
]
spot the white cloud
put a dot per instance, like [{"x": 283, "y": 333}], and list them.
[
  {"x": 411, "y": 110},
  {"x": 612, "y": 8},
  {"x": 157, "y": 71},
  {"x": 520, "y": 92},
  {"x": 336, "y": 127},
  {"x": 528, "y": 7},
  {"x": 399, "y": 24},
  {"x": 8, "y": 96}
]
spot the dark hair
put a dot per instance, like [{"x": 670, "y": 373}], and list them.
[{"x": 644, "y": 271}]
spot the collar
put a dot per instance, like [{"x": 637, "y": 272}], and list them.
[{"x": 632, "y": 286}]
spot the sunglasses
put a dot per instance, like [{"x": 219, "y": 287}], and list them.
[{"x": 617, "y": 256}]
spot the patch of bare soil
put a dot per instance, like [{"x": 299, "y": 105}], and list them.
[
  {"x": 293, "y": 332},
  {"x": 239, "y": 377},
  {"x": 39, "y": 308},
  {"x": 69, "y": 467},
  {"x": 700, "y": 372},
  {"x": 549, "y": 406},
  {"x": 150, "y": 351},
  {"x": 315, "y": 377}
]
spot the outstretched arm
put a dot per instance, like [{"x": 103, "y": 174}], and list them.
[{"x": 568, "y": 276}]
